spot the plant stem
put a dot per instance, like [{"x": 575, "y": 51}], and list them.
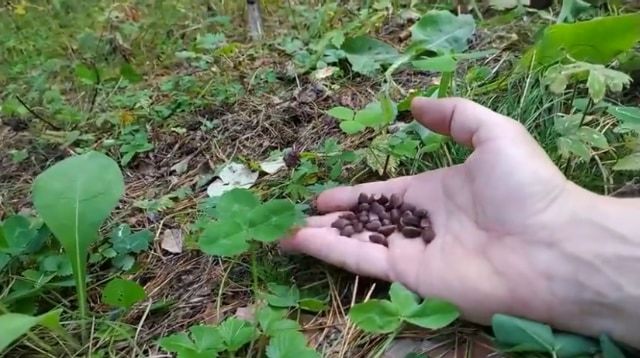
[
  {"x": 584, "y": 115},
  {"x": 389, "y": 340},
  {"x": 254, "y": 270}
]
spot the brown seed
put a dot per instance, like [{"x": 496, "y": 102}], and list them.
[
  {"x": 383, "y": 199},
  {"x": 407, "y": 207},
  {"x": 395, "y": 200},
  {"x": 373, "y": 216},
  {"x": 411, "y": 232},
  {"x": 386, "y": 222},
  {"x": 363, "y": 217},
  {"x": 363, "y": 198},
  {"x": 409, "y": 220},
  {"x": 358, "y": 227},
  {"x": 348, "y": 215},
  {"x": 387, "y": 230},
  {"x": 372, "y": 199},
  {"x": 340, "y": 224},
  {"x": 363, "y": 207},
  {"x": 395, "y": 216},
  {"x": 428, "y": 235},
  {"x": 347, "y": 231},
  {"x": 378, "y": 239},
  {"x": 421, "y": 213},
  {"x": 378, "y": 210},
  {"x": 425, "y": 222},
  {"x": 373, "y": 225}
]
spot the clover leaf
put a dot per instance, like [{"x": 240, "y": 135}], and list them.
[
  {"x": 203, "y": 342},
  {"x": 124, "y": 241}
]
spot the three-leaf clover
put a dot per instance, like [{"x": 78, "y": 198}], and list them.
[
  {"x": 202, "y": 342},
  {"x": 124, "y": 243},
  {"x": 383, "y": 316},
  {"x": 289, "y": 296},
  {"x": 241, "y": 217}
]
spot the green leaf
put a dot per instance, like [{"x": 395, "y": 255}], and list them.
[
  {"x": 224, "y": 238},
  {"x": 570, "y": 345},
  {"x": 289, "y": 344},
  {"x": 405, "y": 300},
  {"x": 630, "y": 162},
  {"x": 4, "y": 261},
  {"x": 596, "y": 85},
  {"x": 205, "y": 342},
  {"x": 85, "y": 74},
  {"x": 376, "y": 316},
  {"x": 342, "y": 113},
  {"x": 283, "y": 296},
  {"x": 433, "y": 314},
  {"x": 125, "y": 242},
  {"x": 592, "y": 137},
  {"x": 123, "y": 262},
  {"x": 571, "y": 10},
  {"x": 18, "y": 235},
  {"x": 59, "y": 264},
  {"x": 271, "y": 220},
  {"x": 235, "y": 333},
  {"x": 571, "y": 144},
  {"x": 567, "y": 125},
  {"x": 74, "y": 197},
  {"x": 367, "y": 54},
  {"x": 371, "y": 115},
  {"x": 352, "y": 127},
  {"x": 206, "y": 338},
  {"x": 629, "y": 117},
  {"x": 210, "y": 41},
  {"x": 273, "y": 321},
  {"x": 122, "y": 293},
  {"x": 596, "y": 41},
  {"x": 236, "y": 203},
  {"x": 442, "y": 31},
  {"x": 522, "y": 335},
  {"x": 312, "y": 304},
  {"x": 609, "y": 348},
  {"x": 129, "y": 73},
  {"x": 445, "y": 63},
  {"x": 14, "y": 325}
]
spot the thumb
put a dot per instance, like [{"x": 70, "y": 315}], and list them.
[{"x": 466, "y": 121}]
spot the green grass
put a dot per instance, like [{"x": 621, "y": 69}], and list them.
[{"x": 169, "y": 81}]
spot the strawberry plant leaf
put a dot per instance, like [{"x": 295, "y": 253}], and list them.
[
  {"x": 224, "y": 238},
  {"x": 609, "y": 348},
  {"x": 206, "y": 338},
  {"x": 433, "y": 313},
  {"x": 629, "y": 117},
  {"x": 352, "y": 127},
  {"x": 342, "y": 113},
  {"x": 125, "y": 242},
  {"x": 122, "y": 293},
  {"x": 376, "y": 316},
  {"x": 592, "y": 137},
  {"x": 405, "y": 300},
  {"x": 123, "y": 262},
  {"x": 570, "y": 345},
  {"x": 14, "y": 325},
  {"x": 19, "y": 237},
  {"x": 236, "y": 203},
  {"x": 283, "y": 296},
  {"x": 367, "y": 54},
  {"x": 442, "y": 31},
  {"x": 312, "y": 304},
  {"x": 371, "y": 115},
  {"x": 205, "y": 342},
  {"x": 522, "y": 335},
  {"x": 74, "y": 197},
  {"x": 273, "y": 321},
  {"x": 630, "y": 162},
  {"x": 571, "y": 144},
  {"x": 271, "y": 220},
  {"x": 235, "y": 333},
  {"x": 289, "y": 344},
  {"x": 597, "y": 86},
  {"x": 567, "y": 125}
]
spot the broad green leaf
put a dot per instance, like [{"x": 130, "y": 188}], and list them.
[
  {"x": 609, "y": 348},
  {"x": 236, "y": 203},
  {"x": 571, "y": 144},
  {"x": 14, "y": 325},
  {"x": 522, "y": 335},
  {"x": 289, "y": 344},
  {"x": 4, "y": 261},
  {"x": 597, "y": 86},
  {"x": 442, "y": 31},
  {"x": 630, "y": 162},
  {"x": 129, "y": 73},
  {"x": 85, "y": 74},
  {"x": 371, "y": 115},
  {"x": 571, "y": 10},
  {"x": 123, "y": 262},
  {"x": 433, "y": 313},
  {"x": 312, "y": 304},
  {"x": 405, "y": 300},
  {"x": 388, "y": 109},
  {"x": 367, "y": 54},
  {"x": 122, "y": 293},
  {"x": 19, "y": 236},
  {"x": 445, "y": 63},
  {"x": 378, "y": 158},
  {"x": 181, "y": 344},
  {"x": 206, "y": 338},
  {"x": 210, "y": 41},
  {"x": 375, "y": 316},
  {"x": 569, "y": 346},
  {"x": 567, "y": 125},
  {"x": 224, "y": 238},
  {"x": 283, "y": 296},
  {"x": 342, "y": 113},
  {"x": 597, "y": 41},
  {"x": 58, "y": 264},
  {"x": 235, "y": 333},
  {"x": 592, "y": 137},
  {"x": 273, "y": 321},
  {"x": 272, "y": 220},
  {"x": 352, "y": 127},
  {"x": 3, "y": 240},
  {"x": 74, "y": 197},
  {"x": 125, "y": 242},
  {"x": 629, "y": 117}
]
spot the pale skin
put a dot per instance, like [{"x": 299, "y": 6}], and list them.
[{"x": 514, "y": 235}]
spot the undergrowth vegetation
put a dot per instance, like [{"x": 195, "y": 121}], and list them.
[{"x": 152, "y": 155}]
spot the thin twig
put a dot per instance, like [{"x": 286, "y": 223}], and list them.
[
  {"x": 95, "y": 88},
  {"x": 53, "y": 126}
]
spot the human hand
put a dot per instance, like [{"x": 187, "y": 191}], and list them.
[{"x": 497, "y": 219}]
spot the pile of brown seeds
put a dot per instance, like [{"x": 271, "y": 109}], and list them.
[{"x": 383, "y": 216}]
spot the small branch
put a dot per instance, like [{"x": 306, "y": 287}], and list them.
[
  {"x": 37, "y": 115},
  {"x": 95, "y": 88}
]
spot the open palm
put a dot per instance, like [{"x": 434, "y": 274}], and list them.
[{"x": 491, "y": 216}]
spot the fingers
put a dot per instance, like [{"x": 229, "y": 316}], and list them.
[
  {"x": 344, "y": 198},
  {"x": 360, "y": 257},
  {"x": 467, "y": 122}
]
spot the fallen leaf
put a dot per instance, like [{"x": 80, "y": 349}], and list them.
[
  {"x": 247, "y": 313},
  {"x": 324, "y": 72},
  {"x": 272, "y": 166},
  {"x": 172, "y": 240},
  {"x": 181, "y": 166},
  {"x": 232, "y": 176}
]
